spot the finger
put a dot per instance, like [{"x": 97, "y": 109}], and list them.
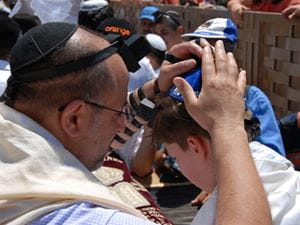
[
  {"x": 232, "y": 66},
  {"x": 292, "y": 15},
  {"x": 185, "y": 50},
  {"x": 241, "y": 82},
  {"x": 186, "y": 91},
  {"x": 208, "y": 65},
  {"x": 177, "y": 69},
  {"x": 221, "y": 57},
  {"x": 288, "y": 11}
]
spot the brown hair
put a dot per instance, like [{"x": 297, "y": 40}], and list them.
[{"x": 173, "y": 124}]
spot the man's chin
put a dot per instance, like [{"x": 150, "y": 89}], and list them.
[{"x": 99, "y": 162}]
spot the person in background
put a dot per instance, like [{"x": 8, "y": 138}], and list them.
[
  {"x": 148, "y": 18},
  {"x": 92, "y": 13},
  {"x": 287, "y": 7},
  {"x": 290, "y": 130},
  {"x": 170, "y": 27},
  {"x": 10, "y": 31},
  {"x": 292, "y": 12}
]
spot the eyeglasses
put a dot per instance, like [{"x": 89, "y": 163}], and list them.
[{"x": 125, "y": 111}]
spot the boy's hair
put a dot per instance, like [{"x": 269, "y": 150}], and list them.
[{"x": 173, "y": 124}]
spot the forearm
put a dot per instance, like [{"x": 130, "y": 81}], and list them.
[
  {"x": 235, "y": 188},
  {"x": 144, "y": 157}
]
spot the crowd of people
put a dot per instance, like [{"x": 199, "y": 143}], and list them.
[{"x": 88, "y": 102}]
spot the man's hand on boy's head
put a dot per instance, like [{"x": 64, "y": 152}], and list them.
[
  {"x": 183, "y": 51},
  {"x": 221, "y": 101}
]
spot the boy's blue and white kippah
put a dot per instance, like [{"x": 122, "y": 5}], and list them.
[
  {"x": 218, "y": 28},
  {"x": 194, "y": 79}
]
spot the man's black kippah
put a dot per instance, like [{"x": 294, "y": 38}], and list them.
[{"x": 38, "y": 43}]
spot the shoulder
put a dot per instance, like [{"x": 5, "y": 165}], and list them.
[
  {"x": 87, "y": 213},
  {"x": 266, "y": 159}
]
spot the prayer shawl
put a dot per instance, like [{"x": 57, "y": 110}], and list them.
[
  {"x": 38, "y": 175},
  {"x": 115, "y": 174}
]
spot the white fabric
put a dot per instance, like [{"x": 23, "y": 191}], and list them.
[
  {"x": 281, "y": 183},
  {"x": 50, "y": 10},
  {"x": 141, "y": 76},
  {"x": 38, "y": 175},
  {"x": 3, "y": 7},
  {"x": 4, "y": 75},
  {"x": 131, "y": 147}
]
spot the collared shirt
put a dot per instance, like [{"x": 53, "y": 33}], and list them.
[
  {"x": 281, "y": 183},
  {"x": 87, "y": 213},
  {"x": 4, "y": 74}
]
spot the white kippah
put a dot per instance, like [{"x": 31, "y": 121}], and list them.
[{"x": 156, "y": 42}]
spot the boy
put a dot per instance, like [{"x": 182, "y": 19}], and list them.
[{"x": 190, "y": 144}]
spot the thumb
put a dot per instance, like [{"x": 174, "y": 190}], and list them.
[{"x": 186, "y": 91}]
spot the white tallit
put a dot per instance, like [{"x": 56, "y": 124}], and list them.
[{"x": 37, "y": 175}]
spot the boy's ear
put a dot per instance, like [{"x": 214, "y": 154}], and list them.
[{"x": 198, "y": 145}]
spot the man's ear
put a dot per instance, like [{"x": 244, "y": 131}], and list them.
[
  {"x": 72, "y": 118},
  {"x": 198, "y": 145}
]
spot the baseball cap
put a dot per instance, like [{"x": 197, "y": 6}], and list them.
[
  {"x": 194, "y": 78},
  {"x": 116, "y": 26},
  {"x": 218, "y": 28},
  {"x": 150, "y": 13}
]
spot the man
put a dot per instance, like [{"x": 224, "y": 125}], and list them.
[
  {"x": 148, "y": 18},
  {"x": 10, "y": 31},
  {"x": 191, "y": 145},
  {"x": 63, "y": 106}
]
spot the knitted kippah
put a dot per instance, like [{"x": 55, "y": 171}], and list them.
[{"x": 38, "y": 43}]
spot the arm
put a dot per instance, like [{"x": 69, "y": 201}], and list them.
[
  {"x": 220, "y": 110},
  {"x": 236, "y": 8},
  {"x": 143, "y": 160},
  {"x": 292, "y": 12}
]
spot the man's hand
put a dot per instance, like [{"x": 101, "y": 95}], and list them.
[
  {"x": 291, "y": 12},
  {"x": 168, "y": 71},
  {"x": 184, "y": 52},
  {"x": 237, "y": 12},
  {"x": 221, "y": 101}
]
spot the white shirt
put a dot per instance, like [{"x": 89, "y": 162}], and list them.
[
  {"x": 281, "y": 183},
  {"x": 142, "y": 75},
  {"x": 4, "y": 75}
]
